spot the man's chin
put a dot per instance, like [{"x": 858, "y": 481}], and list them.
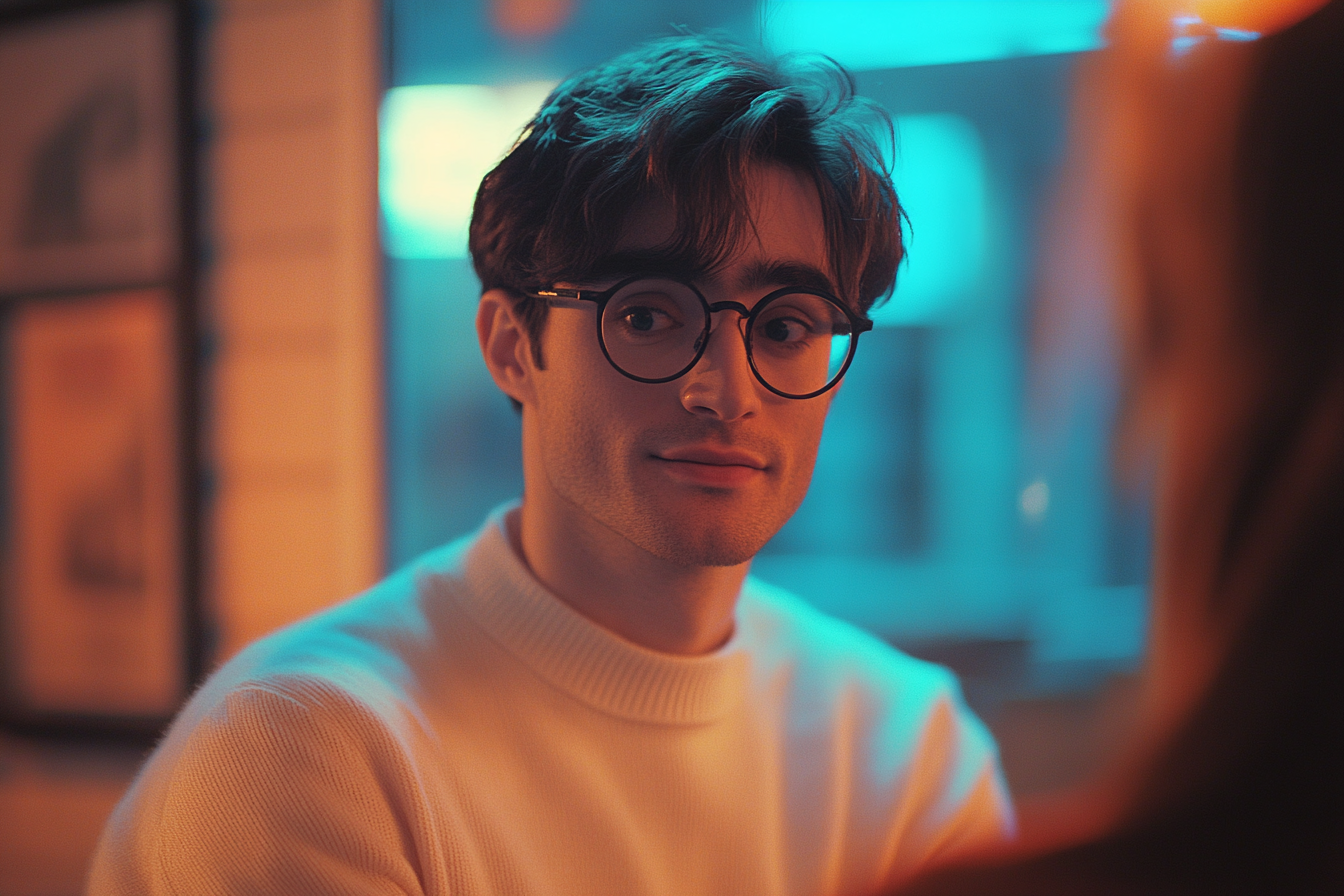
[
  {"x": 690, "y": 557},
  {"x": 693, "y": 544},
  {"x": 711, "y": 555}
]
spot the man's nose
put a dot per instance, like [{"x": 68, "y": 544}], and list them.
[{"x": 721, "y": 385}]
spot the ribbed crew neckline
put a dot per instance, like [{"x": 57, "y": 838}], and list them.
[{"x": 576, "y": 655}]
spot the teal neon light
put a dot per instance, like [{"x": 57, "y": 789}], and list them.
[
  {"x": 877, "y": 34},
  {"x": 939, "y": 172},
  {"x": 436, "y": 143}
]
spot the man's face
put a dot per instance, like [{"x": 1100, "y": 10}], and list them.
[{"x": 703, "y": 470}]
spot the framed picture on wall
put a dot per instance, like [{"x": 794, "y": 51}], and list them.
[
  {"x": 88, "y": 192},
  {"x": 93, "y": 615},
  {"x": 99, "y": 620}
]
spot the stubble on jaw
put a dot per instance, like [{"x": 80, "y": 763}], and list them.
[{"x": 684, "y": 543}]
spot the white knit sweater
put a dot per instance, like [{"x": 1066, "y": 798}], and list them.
[{"x": 459, "y": 730}]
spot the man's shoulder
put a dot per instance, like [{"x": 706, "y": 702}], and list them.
[
  {"x": 324, "y": 697},
  {"x": 369, "y": 646},
  {"x": 901, "y": 720},
  {"x": 788, "y": 633},
  {"x": 301, "y": 742}
]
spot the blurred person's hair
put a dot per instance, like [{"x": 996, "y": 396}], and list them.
[
  {"x": 1240, "y": 789},
  {"x": 684, "y": 119},
  {"x": 1253, "y": 773}
]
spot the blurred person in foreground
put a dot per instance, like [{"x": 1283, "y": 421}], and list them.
[
  {"x": 589, "y": 695},
  {"x": 1231, "y": 164}
]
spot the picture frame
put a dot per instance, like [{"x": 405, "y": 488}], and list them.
[
  {"x": 101, "y": 627},
  {"x": 92, "y": 614},
  {"x": 88, "y": 186}
]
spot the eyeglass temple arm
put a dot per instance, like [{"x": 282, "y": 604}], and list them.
[{"x": 565, "y": 297}]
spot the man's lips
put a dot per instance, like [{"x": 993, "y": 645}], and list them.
[
  {"x": 711, "y": 465},
  {"x": 714, "y": 456}
]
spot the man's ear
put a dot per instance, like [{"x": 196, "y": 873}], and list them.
[{"x": 505, "y": 345}]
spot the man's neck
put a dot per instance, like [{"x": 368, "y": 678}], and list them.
[{"x": 625, "y": 589}]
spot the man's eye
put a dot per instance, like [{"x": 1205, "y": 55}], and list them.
[
  {"x": 784, "y": 329},
  {"x": 643, "y": 319}
]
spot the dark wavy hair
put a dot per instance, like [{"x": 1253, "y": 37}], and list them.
[{"x": 685, "y": 118}]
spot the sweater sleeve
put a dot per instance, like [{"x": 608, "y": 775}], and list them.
[{"x": 297, "y": 790}]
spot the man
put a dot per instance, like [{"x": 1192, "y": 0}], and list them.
[{"x": 585, "y": 697}]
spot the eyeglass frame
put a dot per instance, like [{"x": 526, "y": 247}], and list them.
[{"x": 562, "y": 296}]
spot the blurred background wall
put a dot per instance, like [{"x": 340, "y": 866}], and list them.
[
  {"x": 293, "y": 300},
  {"x": 279, "y": 240},
  {"x": 962, "y": 505}
]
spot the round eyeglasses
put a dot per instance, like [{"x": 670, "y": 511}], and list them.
[{"x": 799, "y": 342}]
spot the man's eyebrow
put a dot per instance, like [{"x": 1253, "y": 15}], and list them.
[{"x": 761, "y": 274}]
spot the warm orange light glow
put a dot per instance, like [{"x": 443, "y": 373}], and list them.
[
  {"x": 530, "y": 19},
  {"x": 1264, "y": 16}
]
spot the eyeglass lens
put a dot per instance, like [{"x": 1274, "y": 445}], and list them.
[{"x": 799, "y": 342}]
